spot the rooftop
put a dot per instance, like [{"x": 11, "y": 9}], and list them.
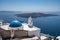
[{"x": 27, "y": 28}]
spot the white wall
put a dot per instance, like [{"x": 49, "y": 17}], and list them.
[{"x": 36, "y": 33}]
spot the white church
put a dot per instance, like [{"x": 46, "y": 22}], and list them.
[{"x": 24, "y": 31}]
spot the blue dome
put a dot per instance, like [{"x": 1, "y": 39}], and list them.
[{"x": 15, "y": 23}]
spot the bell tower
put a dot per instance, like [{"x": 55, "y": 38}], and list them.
[{"x": 30, "y": 22}]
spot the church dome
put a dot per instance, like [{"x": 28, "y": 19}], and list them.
[{"x": 15, "y": 23}]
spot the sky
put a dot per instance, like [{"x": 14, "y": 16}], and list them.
[{"x": 30, "y": 5}]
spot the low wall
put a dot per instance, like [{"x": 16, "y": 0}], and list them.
[{"x": 17, "y": 33}]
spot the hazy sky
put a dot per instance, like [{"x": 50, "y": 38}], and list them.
[{"x": 30, "y": 5}]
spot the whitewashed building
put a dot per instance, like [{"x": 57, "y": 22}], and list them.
[{"x": 21, "y": 30}]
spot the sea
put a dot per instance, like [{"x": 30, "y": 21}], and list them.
[{"x": 48, "y": 25}]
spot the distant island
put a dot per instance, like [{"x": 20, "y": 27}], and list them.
[{"x": 34, "y": 15}]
